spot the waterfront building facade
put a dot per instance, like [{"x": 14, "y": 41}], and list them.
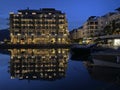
[
  {"x": 77, "y": 33},
  {"x": 73, "y": 34},
  {"x": 112, "y": 23},
  {"x": 96, "y": 27},
  {"x": 46, "y": 26},
  {"x": 91, "y": 27}
]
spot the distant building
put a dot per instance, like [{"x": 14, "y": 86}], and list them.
[
  {"x": 73, "y": 34},
  {"x": 94, "y": 26},
  {"x": 46, "y": 26},
  {"x": 91, "y": 27},
  {"x": 77, "y": 33}
]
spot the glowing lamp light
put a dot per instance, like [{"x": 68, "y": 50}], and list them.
[{"x": 116, "y": 42}]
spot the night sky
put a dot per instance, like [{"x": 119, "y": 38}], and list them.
[{"x": 77, "y": 11}]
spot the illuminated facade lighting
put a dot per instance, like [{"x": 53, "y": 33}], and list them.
[{"x": 38, "y": 26}]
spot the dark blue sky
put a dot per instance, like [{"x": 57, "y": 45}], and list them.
[{"x": 77, "y": 11}]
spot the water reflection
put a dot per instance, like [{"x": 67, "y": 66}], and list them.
[
  {"x": 106, "y": 74},
  {"x": 46, "y": 64},
  {"x": 49, "y": 69},
  {"x": 106, "y": 70}
]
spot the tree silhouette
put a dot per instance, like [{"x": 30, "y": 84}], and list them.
[
  {"x": 118, "y": 9},
  {"x": 112, "y": 28}
]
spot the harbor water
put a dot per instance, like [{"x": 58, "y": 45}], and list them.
[{"x": 54, "y": 69}]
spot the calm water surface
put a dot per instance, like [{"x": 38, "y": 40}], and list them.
[{"x": 53, "y": 69}]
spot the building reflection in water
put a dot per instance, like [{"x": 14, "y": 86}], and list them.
[{"x": 46, "y": 64}]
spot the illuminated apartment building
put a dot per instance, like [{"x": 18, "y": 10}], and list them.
[
  {"x": 94, "y": 26},
  {"x": 46, "y": 26},
  {"x": 76, "y": 33},
  {"x": 46, "y": 64},
  {"x": 91, "y": 27}
]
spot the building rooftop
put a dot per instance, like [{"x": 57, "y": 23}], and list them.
[{"x": 41, "y": 10}]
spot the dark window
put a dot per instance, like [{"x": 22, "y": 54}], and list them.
[
  {"x": 53, "y": 33},
  {"x": 38, "y": 33}
]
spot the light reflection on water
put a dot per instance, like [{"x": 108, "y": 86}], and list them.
[
  {"x": 53, "y": 69},
  {"x": 46, "y": 64}
]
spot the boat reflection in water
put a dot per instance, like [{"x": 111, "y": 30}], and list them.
[
  {"x": 106, "y": 70},
  {"x": 105, "y": 74},
  {"x": 105, "y": 67},
  {"x": 33, "y": 64},
  {"x": 108, "y": 59}
]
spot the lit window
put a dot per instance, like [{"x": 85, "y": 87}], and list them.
[
  {"x": 19, "y": 12},
  {"x": 33, "y": 13},
  {"x": 49, "y": 13}
]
